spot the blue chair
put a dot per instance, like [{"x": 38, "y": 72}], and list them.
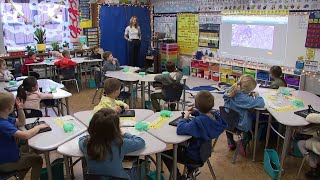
[{"x": 8, "y": 175}]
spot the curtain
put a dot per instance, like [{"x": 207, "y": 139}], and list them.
[{"x": 113, "y": 21}]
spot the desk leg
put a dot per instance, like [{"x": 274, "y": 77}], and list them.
[
  {"x": 48, "y": 164},
  {"x": 143, "y": 95},
  {"x": 175, "y": 157},
  {"x": 80, "y": 74},
  {"x": 67, "y": 166},
  {"x": 284, "y": 148},
  {"x": 149, "y": 91},
  {"x": 131, "y": 92},
  {"x": 255, "y": 135},
  {"x": 268, "y": 130},
  {"x": 61, "y": 107},
  {"x": 158, "y": 165},
  {"x": 67, "y": 105},
  {"x": 184, "y": 95},
  {"x": 84, "y": 167}
]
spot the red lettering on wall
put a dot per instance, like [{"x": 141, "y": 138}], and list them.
[{"x": 74, "y": 17}]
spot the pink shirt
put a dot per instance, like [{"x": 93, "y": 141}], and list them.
[{"x": 34, "y": 98}]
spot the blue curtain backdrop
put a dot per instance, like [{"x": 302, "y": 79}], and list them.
[{"x": 113, "y": 21}]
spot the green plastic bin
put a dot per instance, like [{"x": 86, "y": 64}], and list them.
[{"x": 271, "y": 163}]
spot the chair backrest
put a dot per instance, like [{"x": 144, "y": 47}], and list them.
[
  {"x": 230, "y": 117},
  {"x": 173, "y": 92},
  {"x": 101, "y": 177},
  {"x": 17, "y": 70},
  {"x": 8, "y": 175},
  {"x": 31, "y": 113},
  {"x": 68, "y": 73},
  {"x": 205, "y": 150}
]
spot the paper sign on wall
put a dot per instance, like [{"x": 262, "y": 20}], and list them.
[{"x": 188, "y": 33}]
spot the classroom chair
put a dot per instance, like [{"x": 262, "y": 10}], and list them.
[
  {"x": 231, "y": 118},
  {"x": 17, "y": 70},
  {"x": 99, "y": 84},
  {"x": 173, "y": 94},
  {"x": 8, "y": 175},
  {"x": 31, "y": 113},
  {"x": 68, "y": 75}
]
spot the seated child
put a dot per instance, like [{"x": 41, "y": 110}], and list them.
[
  {"x": 241, "y": 99},
  {"x": 32, "y": 58},
  {"x": 174, "y": 77},
  {"x": 29, "y": 94},
  {"x": 105, "y": 147},
  {"x": 109, "y": 62},
  {"x": 205, "y": 126},
  {"x": 111, "y": 92},
  {"x": 277, "y": 76},
  {"x": 96, "y": 53},
  {"x": 313, "y": 146},
  {"x": 65, "y": 62},
  {"x": 11, "y": 159},
  {"x": 5, "y": 74}
]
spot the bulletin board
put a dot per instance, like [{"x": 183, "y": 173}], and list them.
[
  {"x": 188, "y": 33},
  {"x": 167, "y": 25}
]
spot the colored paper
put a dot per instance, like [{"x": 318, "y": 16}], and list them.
[{"x": 188, "y": 33}]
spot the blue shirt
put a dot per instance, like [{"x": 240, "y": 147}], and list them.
[
  {"x": 202, "y": 128},
  {"x": 112, "y": 166},
  {"x": 9, "y": 151},
  {"x": 242, "y": 103}
]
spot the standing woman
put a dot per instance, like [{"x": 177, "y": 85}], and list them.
[{"x": 133, "y": 35}]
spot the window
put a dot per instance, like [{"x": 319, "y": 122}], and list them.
[{"x": 18, "y": 30}]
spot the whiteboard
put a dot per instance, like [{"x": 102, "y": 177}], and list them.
[{"x": 296, "y": 38}]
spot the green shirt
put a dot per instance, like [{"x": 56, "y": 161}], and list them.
[{"x": 277, "y": 82}]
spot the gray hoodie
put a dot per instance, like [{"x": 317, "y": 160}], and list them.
[{"x": 169, "y": 79}]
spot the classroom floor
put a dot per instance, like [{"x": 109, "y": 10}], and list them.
[{"x": 244, "y": 169}]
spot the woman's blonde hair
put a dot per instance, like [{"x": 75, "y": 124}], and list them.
[
  {"x": 131, "y": 21},
  {"x": 246, "y": 84}
]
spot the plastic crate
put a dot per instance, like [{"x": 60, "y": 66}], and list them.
[
  {"x": 291, "y": 80},
  {"x": 232, "y": 81},
  {"x": 200, "y": 74},
  {"x": 225, "y": 70},
  {"x": 195, "y": 64},
  {"x": 214, "y": 67},
  {"x": 215, "y": 77},
  {"x": 250, "y": 72},
  {"x": 271, "y": 163},
  {"x": 170, "y": 45}
]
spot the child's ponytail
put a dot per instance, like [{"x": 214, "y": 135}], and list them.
[
  {"x": 26, "y": 86},
  {"x": 21, "y": 93},
  {"x": 233, "y": 90}
]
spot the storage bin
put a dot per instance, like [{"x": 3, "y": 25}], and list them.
[
  {"x": 215, "y": 77},
  {"x": 225, "y": 70},
  {"x": 200, "y": 74},
  {"x": 207, "y": 75},
  {"x": 271, "y": 163},
  {"x": 214, "y": 67},
  {"x": 291, "y": 80},
  {"x": 170, "y": 45},
  {"x": 194, "y": 64},
  {"x": 251, "y": 72},
  {"x": 232, "y": 81},
  {"x": 263, "y": 75}
]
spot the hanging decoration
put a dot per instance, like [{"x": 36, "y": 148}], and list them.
[
  {"x": 41, "y": 23},
  {"x": 313, "y": 33},
  {"x": 74, "y": 18}
]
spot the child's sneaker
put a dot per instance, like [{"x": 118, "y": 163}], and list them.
[
  {"x": 193, "y": 173},
  {"x": 242, "y": 150},
  {"x": 231, "y": 145}
]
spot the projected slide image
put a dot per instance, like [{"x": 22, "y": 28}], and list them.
[{"x": 252, "y": 36}]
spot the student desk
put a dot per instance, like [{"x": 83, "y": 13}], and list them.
[
  {"x": 153, "y": 146},
  {"x": 290, "y": 120},
  {"x": 168, "y": 134},
  {"x": 51, "y": 140},
  {"x": 85, "y": 116}
]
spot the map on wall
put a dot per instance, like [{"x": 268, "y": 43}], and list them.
[
  {"x": 167, "y": 25},
  {"x": 188, "y": 33}
]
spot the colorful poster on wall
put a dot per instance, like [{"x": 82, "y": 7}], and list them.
[
  {"x": 167, "y": 25},
  {"x": 188, "y": 33},
  {"x": 313, "y": 33},
  {"x": 209, "y": 31}
]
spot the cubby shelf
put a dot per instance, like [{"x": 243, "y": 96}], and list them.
[{"x": 224, "y": 71}]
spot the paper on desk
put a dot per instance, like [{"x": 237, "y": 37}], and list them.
[{"x": 158, "y": 122}]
